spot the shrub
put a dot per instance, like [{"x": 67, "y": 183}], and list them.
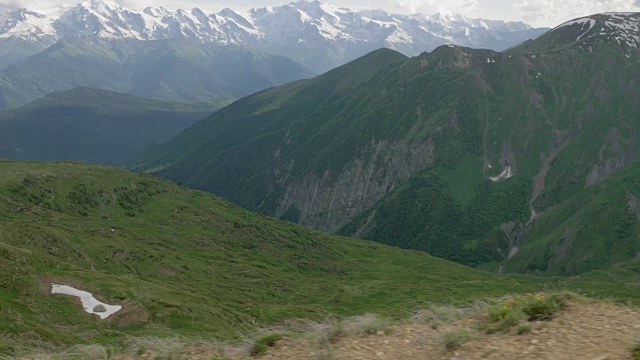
[
  {"x": 331, "y": 335},
  {"x": 532, "y": 307},
  {"x": 264, "y": 343},
  {"x": 523, "y": 329},
  {"x": 543, "y": 308},
  {"x": 454, "y": 340},
  {"x": 635, "y": 352}
]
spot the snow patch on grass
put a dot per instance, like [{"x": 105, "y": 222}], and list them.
[{"x": 89, "y": 302}]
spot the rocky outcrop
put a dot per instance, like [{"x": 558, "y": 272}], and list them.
[
  {"x": 616, "y": 153},
  {"x": 327, "y": 202}
]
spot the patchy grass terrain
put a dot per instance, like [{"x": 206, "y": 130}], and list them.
[{"x": 184, "y": 262}]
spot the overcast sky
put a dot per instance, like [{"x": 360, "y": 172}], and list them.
[{"x": 535, "y": 12}]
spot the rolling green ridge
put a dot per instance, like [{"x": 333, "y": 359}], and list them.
[
  {"x": 455, "y": 152},
  {"x": 171, "y": 70},
  {"x": 94, "y": 126},
  {"x": 184, "y": 262}
]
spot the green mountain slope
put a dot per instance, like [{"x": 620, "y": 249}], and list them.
[
  {"x": 94, "y": 126},
  {"x": 166, "y": 69},
  {"x": 184, "y": 262},
  {"x": 261, "y": 115},
  {"x": 454, "y": 152},
  {"x": 597, "y": 228}
]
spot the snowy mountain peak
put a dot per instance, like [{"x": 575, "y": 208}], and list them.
[
  {"x": 158, "y": 12},
  {"x": 317, "y": 34},
  {"x": 29, "y": 25},
  {"x": 104, "y": 18},
  {"x": 242, "y": 20},
  {"x": 624, "y": 27},
  {"x": 449, "y": 17},
  {"x": 103, "y": 7}
]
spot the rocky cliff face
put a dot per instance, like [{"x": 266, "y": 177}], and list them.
[{"x": 327, "y": 201}]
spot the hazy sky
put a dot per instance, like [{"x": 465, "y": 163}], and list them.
[{"x": 535, "y": 12}]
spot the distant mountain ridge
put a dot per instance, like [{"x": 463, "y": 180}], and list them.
[
  {"x": 171, "y": 70},
  {"x": 317, "y": 35},
  {"x": 94, "y": 126}
]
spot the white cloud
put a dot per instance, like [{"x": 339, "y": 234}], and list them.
[
  {"x": 135, "y": 4},
  {"x": 555, "y": 12},
  {"x": 16, "y": 4},
  {"x": 535, "y": 12},
  {"x": 49, "y": 4},
  {"x": 433, "y": 6}
]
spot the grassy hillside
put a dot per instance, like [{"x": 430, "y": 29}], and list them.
[
  {"x": 453, "y": 152},
  {"x": 94, "y": 126},
  {"x": 186, "y": 262},
  {"x": 256, "y": 119}
]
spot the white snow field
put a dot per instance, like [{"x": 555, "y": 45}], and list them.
[{"x": 89, "y": 302}]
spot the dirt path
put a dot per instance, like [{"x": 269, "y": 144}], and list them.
[{"x": 584, "y": 331}]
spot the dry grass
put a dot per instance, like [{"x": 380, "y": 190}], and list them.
[
  {"x": 167, "y": 348},
  {"x": 331, "y": 330},
  {"x": 365, "y": 325},
  {"x": 78, "y": 352},
  {"x": 324, "y": 333},
  {"x": 437, "y": 315}
]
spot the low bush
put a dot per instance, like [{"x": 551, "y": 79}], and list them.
[
  {"x": 523, "y": 329},
  {"x": 454, "y": 340},
  {"x": 635, "y": 352},
  {"x": 263, "y": 343},
  {"x": 509, "y": 312}
]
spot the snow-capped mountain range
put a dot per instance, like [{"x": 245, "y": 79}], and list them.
[{"x": 315, "y": 34}]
